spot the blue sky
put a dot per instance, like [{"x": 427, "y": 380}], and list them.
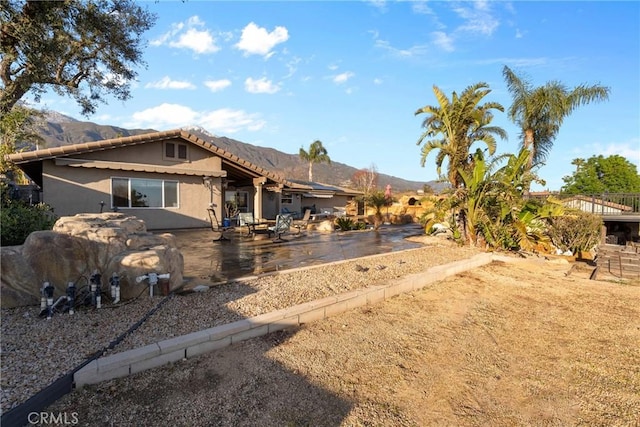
[{"x": 352, "y": 74}]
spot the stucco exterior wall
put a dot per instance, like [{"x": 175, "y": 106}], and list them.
[{"x": 72, "y": 190}]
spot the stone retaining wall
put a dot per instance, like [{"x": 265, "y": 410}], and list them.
[{"x": 196, "y": 343}]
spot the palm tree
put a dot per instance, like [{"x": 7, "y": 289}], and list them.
[
  {"x": 453, "y": 126},
  {"x": 578, "y": 163},
  {"x": 539, "y": 111},
  {"x": 316, "y": 154}
]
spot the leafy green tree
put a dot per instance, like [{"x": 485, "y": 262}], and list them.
[
  {"x": 16, "y": 126},
  {"x": 316, "y": 154},
  {"x": 454, "y": 125},
  {"x": 540, "y": 111},
  {"x": 79, "y": 48},
  {"x": 599, "y": 174}
]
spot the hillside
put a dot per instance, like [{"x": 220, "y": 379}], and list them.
[{"x": 62, "y": 130}]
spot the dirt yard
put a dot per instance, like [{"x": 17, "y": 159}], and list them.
[{"x": 504, "y": 345}]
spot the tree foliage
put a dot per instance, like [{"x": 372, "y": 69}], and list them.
[
  {"x": 377, "y": 199},
  {"x": 18, "y": 125},
  {"x": 82, "y": 49},
  {"x": 454, "y": 125},
  {"x": 490, "y": 206},
  {"x": 599, "y": 174},
  {"x": 365, "y": 180},
  {"x": 316, "y": 154},
  {"x": 540, "y": 111}
]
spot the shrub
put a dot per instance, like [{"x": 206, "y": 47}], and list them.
[
  {"x": 359, "y": 225},
  {"x": 576, "y": 231},
  {"x": 18, "y": 219},
  {"x": 344, "y": 223}
]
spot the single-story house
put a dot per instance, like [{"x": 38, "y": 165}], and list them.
[{"x": 168, "y": 179}]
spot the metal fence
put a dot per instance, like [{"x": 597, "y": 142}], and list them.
[{"x": 602, "y": 204}]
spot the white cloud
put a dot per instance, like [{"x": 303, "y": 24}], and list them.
[
  {"x": 226, "y": 120},
  {"x": 114, "y": 79},
  {"x": 292, "y": 66},
  {"x": 514, "y": 62},
  {"x": 167, "y": 83},
  {"x": 221, "y": 121},
  {"x": 217, "y": 85},
  {"x": 188, "y": 35},
  {"x": 629, "y": 150},
  {"x": 413, "y": 51},
  {"x": 478, "y": 19},
  {"x": 258, "y": 41},
  {"x": 260, "y": 86},
  {"x": 443, "y": 41},
  {"x": 198, "y": 41},
  {"x": 343, "y": 77},
  {"x": 377, "y": 81},
  {"x": 381, "y": 5},
  {"x": 421, "y": 7},
  {"x": 165, "y": 115}
]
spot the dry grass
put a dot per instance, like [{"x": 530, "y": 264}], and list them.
[{"x": 504, "y": 345}]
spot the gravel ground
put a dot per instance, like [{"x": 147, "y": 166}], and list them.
[
  {"x": 508, "y": 344},
  {"x": 35, "y": 351}
]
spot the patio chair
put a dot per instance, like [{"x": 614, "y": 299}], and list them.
[
  {"x": 283, "y": 225},
  {"x": 216, "y": 227},
  {"x": 246, "y": 219},
  {"x": 304, "y": 222}
]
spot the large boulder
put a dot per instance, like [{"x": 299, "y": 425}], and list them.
[{"x": 80, "y": 245}]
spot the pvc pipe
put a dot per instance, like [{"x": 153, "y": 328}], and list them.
[{"x": 61, "y": 298}]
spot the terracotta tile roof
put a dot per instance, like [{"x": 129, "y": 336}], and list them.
[
  {"x": 87, "y": 147},
  {"x": 599, "y": 202}
]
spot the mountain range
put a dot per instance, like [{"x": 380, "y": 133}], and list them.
[{"x": 58, "y": 129}]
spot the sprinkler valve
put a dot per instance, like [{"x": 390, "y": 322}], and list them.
[
  {"x": 71, "y": 295},
  {"x": 96, "y": 289},
  {"x": 48, "y": 291},
  {"x": 43, "y": 296},
  {"x": 153, "y": 280},
  {"x": 114, "y": 281}
]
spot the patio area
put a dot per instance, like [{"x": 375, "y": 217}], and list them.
[{"x": 207, "y": 262}]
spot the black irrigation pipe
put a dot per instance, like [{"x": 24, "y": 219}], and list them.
[{"x": 19, "y": 416}]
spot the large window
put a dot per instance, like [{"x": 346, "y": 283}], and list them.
[
  {"x": 143, "y": 193},
  {"x": 238, "y": 200}
]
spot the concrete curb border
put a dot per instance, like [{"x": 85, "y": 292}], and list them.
[{"x": 194, "y": 344}]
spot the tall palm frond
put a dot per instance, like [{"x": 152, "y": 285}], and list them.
[
  {"x": 540, "y": 111},
  {"x": 316, "y": 154},
  {"x": 454, "y": 125}
]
